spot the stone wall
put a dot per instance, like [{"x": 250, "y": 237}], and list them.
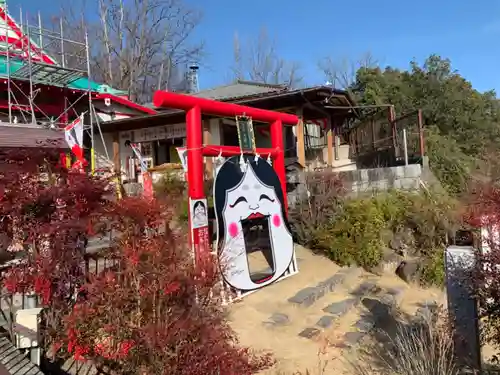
[
  {"x": 405, "y": 177},
  {"x": 361, "y": 181}
]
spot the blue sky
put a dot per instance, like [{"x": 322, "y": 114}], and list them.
[{"x": 394, "y": 32}]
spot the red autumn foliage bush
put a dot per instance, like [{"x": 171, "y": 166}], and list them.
[
  {"x": 44, "y": 212},
  {"x": 151, "y": 312}
]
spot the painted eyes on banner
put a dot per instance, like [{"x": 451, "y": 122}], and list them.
[
  {"x": 239, "y": 200},
  {"x": 243, "y": 199},
  {"x": 264, "y": 196}
]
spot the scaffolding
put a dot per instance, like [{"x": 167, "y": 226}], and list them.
[{"x": 34, "y": 59}]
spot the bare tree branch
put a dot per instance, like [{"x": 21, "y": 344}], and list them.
[
  {"x": 259, "y": 61},
  {"x": 341, "y": 73},
  {"x": 138, "y": 45},
  {"x": 237, "y": 68}
]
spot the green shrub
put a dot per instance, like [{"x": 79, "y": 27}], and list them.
[
  {"x": 449, "y": 163},
  {"x": 171, "y": 184},
  {"x": 357, "y": 232},
  {"x": 433, "y": 272},
  {"x": 355, "y": 237},
  {"x": 431, "y": 218}
]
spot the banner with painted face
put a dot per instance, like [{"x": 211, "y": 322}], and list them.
[{"x": 250, "y": 213}]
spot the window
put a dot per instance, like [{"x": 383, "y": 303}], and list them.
[
  {"x": 147, "y": 153},
  {"x": 166, "y": 151}
]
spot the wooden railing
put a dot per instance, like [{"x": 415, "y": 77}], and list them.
[
  {"x": 94, "y": 262},
  {"x": 379, "y": 138}
]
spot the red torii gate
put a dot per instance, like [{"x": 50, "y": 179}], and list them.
[{"x": 195, "y": 106}]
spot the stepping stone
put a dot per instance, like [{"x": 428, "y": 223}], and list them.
[
  {"x": 307, "y": 296},
  {"x": 332, "y": 282},
  {"x": 351, "y": 339},
  {"x": 325, "y": 321},
  {"x": 365, "y": 324},
  {"x": 279, "y": 319},
  {"x": 340, "y": 308},
  {"x": 388, "y": 299},
  {"x": 396, "y": 291},
  {"x": 365, "y": 288},
  {"x": 309, "y": 333}
]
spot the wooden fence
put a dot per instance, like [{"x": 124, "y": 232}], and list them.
[{"x": 378, "y": 139}]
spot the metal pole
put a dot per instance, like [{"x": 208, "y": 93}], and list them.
[
  {"x": 100, "y": 133},
  {"x": 40, "y": 31},
  {"x": 21, "y": 26},
  {"x": 33, "y": 117},
  {"x": 405, "y": 147},
  {"x": 89, "y": 87},
  {"x": 9, "y": 99},
  {"x": 63, "y": 59}
]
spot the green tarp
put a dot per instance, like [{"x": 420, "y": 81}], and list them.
[{"x": 79, "y": 84}]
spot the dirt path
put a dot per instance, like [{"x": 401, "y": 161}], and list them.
[{"x": 321, "y": 313}]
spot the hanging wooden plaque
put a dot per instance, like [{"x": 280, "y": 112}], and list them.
[{"x": 246, "y": 135}]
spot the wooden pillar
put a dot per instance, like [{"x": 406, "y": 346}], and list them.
[
  {"x": 116, "y": 153},
  {"x": 374, "y": 139},
  {"x": 392, "y": 122},
  {"x": 421, "y": 133},
  {"x": 117, "y": 165},
  {"x": 299, "y": 133},
  {"x": 207, "y": 138},
  {"x": 336, "y": 144},
  {"x": 329, "y": 143}
]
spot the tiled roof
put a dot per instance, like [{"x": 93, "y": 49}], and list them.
[
  {"x": 257, "y": 93},
  {"x": 239, "y": 89},
  {"x": 14, "y": 361},
  {"x": 22, "y": 135}
]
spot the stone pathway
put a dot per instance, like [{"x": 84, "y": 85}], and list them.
[{"x": 322, "y": 306}]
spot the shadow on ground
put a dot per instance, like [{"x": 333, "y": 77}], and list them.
[
  {"x": 71, "y": 367},
  {"x": 402, "y": 344}
]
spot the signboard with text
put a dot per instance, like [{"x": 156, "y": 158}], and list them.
[
  {"x": 198, "y": 223},
  {"x": 160, "y": 132},
  {"x": 246, "y": 135}
]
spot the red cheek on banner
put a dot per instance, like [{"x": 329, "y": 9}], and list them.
[
  {"x": 233, "y": 229},
  {"x": 276, "y": 220}
]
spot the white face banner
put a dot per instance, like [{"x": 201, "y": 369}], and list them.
[
  {"x": 251, "y": 219},
  {"x": 137, "y": 152},
  {"x": 182, "y": 151},
  {"x": 73, "y": 134},
  {"x": 198, "y": 213}
]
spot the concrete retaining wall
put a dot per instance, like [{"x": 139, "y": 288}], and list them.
[
  {"x": 381, "y": 179},
  {"x": 361, "y": 181}
]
